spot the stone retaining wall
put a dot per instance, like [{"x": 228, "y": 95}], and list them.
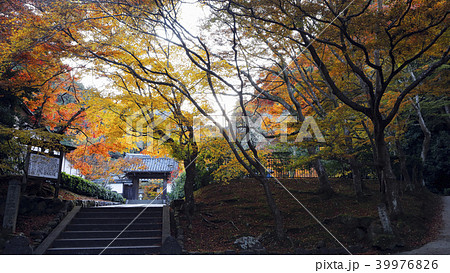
[
  {"x": 37, "y": 206},
  {"x": 92, "y": 203}
]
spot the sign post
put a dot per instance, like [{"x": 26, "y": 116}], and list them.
[
  {"x": 12, "y": 205},
  {"x": 58, "y": 182}
]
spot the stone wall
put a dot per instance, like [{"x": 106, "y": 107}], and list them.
[
  {"x": 93, "y": 203},
  {"x": 176, "y": 210},
  {"x": 34, "y": 206},
  {"x": 37, "y": 206}
]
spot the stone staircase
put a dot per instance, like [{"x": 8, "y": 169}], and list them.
[{"x": 94, "y": 230}]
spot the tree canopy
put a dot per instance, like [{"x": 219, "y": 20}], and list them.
[{"x": 354, "y": 71}]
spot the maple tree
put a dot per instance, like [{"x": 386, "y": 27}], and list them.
[
  {"x": 37, "y": 90},
  {"x": 153, "y": 119},
  {"x": 161, "y": 71},
  {"x": 362, "y": 51},
  {"x": 298, "y": 90},
  {"x": 142, "y": 115},
  {"x": 291, "y": 85},
  {"x": 344, "y": 134},
  {"x": 375, "y": 41},
  {"x": 216, "y": 156}
]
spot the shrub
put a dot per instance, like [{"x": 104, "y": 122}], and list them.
[
  {"x": 82, "y": 186},
  {"x": 177, "y": 191}
]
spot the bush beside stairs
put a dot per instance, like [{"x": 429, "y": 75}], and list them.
[{"x": 107, "y": 230}]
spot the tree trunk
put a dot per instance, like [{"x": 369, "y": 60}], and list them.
[
  {"x": 357, "y": 179},
  {"x": 374, "y": 151},
  {"x": 407, "y": 182},
  {"x": 417, "y": 175},
  {"x": 278, "y": 220},
  {"x": 324, "y": 183},
  {"x": 189, "y": 186},
  {"x": 355, "y": 166},
  {"x": 426, "y": 135},
  {"x": 389, "y": 184},
  {"x": 191, "y": 173},
  {"x": 189, "y": 202}
]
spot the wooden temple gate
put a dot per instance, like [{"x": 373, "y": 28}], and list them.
[{"x": 147, "y": 168}]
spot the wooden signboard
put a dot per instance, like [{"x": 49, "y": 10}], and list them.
[{"x": 44, "y": 166}]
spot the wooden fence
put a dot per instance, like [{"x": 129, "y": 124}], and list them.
[{"x": 280, "y": 168}]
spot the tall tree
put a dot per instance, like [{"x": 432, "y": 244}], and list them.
[
  {"x": 147, "y": 105},
  {"x": 34, "y": 81},
  {"x": 158, "y": 21},
  {"x": 161, "y": 124},
  {"x": 375, "y": 41},
  {"x": 374, "y": 44}
]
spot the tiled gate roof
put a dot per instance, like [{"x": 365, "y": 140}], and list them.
[{"x": 147, "y": 163}]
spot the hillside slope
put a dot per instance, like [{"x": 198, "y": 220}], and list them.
[{"x": 227, "y": 212}]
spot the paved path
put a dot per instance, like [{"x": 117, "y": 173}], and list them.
[{"x": 441, "y": 245}]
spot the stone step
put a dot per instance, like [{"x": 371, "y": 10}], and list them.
[
  {"x": 109, "y": 234},
  {"x": 103, "y": 242},
  {"x": 140, "y": 220},
  {"x": 122, "y": 209},
  {"x": 133, "y": 250},
  {"x": 94, "y": 231},
  {"x": 112, "y": 214},
  {"x": 146, "y": 202},
  {"x": 113, "y": 227}
]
